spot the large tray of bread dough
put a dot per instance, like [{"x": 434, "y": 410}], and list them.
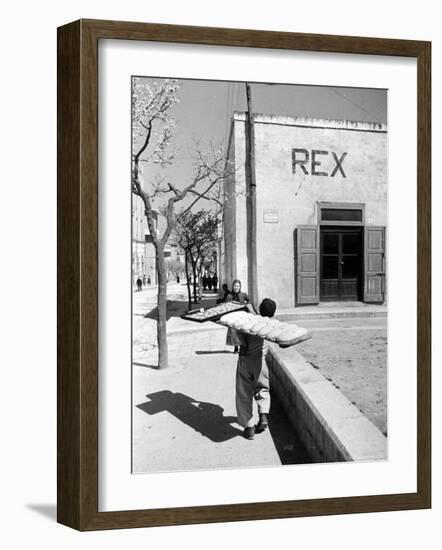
[
  {"x": 213, "y": 313},
  {"x": 281, "y": 333}
]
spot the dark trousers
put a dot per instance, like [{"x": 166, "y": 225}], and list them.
[{"x": 252, "y": 383}]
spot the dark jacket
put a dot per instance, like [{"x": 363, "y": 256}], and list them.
[
  {"x": 240, "y": 297},
  {"x": 224, "y": 297}
]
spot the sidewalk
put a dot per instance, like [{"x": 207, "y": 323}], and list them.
[
  {"x": 144, "y": 325},
  {"x": 184, "y": 416}
]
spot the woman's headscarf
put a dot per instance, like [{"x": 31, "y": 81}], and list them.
[{"x": 233, "y": 284}]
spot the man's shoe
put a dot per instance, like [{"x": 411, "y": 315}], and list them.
[
  {"x": 262, "y": 424},
  {"x": 249, "y": 433}
]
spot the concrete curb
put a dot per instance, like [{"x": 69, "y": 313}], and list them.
[
  {"x": 329, "y": 315},
  {"x": 332, "y": 428}
]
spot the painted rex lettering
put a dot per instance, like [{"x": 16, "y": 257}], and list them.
[{"x": 301, "y": 158}]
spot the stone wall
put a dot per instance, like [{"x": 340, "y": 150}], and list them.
[{"x": 331, "y": 428}]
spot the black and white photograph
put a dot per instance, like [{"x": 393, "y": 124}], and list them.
[
  {"x": 221, "y": 231},
  {"x": 259, "y": 274}
]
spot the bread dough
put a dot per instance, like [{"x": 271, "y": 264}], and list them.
[
  {"x": 247, "y": 322},
  {"x": 291, "y": 335},
  {"x": 239, "y": 320},
  {"x": 269, "y": 326},
  {"x": 229, "y": 318},
  {"x": 258, "y": 325},
  {"x": 273, "y": 334},
  {"x": 271, "y": 329}
]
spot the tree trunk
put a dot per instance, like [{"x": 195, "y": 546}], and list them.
[
  {"x": 199, "y": 271},
  {"x": 162, "y": 308},
  {"x": 189, "y": 294},
  {"x": 195, "y": 299}
]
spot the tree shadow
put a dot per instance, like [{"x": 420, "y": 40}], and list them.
[
  {"x": 176, "y": 308},
  {"x": 205, "y": 418},
  {"x": 212, "y": 352},
  {"x": 155, "y": 367}
]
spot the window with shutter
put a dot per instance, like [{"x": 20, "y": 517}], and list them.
[
  {"x": 374, "y": 277},
  {"x": 307, "y": 264}
]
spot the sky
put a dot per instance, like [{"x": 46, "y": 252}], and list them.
[{"x": 206, "y": 107}]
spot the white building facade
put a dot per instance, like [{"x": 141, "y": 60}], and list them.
[{"x": 321, "y": 210}]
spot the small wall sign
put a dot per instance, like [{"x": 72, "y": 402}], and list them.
[{"x": 271, "y": 216}]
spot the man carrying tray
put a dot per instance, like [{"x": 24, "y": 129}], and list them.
[{"x": 252, "y": 377}]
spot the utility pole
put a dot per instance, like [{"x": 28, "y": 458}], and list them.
[{"x": 251, "y": 200}]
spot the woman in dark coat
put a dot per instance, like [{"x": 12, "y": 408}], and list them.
[
  {"x": 235, "y": 296},
  {"x": 223, "y": 294}
]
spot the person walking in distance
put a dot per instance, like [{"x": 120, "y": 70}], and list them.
[
  {"x": 139, "y": 284},
  {"x": 252, "y": 377}
]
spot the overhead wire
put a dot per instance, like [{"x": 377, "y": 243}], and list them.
[{"x": 349, "y": 100}]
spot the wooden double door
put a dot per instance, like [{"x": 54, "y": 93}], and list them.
[{"x": 341, "y": 263}]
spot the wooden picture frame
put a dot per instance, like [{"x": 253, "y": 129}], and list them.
[{"x": 78, "y": 274}]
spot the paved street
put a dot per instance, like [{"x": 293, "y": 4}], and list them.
[{"x": 184, "y": 416}]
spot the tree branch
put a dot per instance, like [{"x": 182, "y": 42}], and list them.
[
  {"x": 146, "y": 141},
  {"x": 202, "y": 195}
]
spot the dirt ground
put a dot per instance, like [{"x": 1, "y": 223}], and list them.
[{"x": 353, "y": 356}]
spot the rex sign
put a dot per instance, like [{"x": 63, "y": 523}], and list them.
[{"x": 316, "y": 162}]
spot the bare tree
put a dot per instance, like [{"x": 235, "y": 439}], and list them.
[
  {"x": 206, "y": 244},
  {"x": 197, "y": 234},
  {"x": 153, "y": 128},
  {"x": 187, "y": 237}
]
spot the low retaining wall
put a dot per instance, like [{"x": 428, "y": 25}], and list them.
[
  {"x": 330, "y": 426},
  {"x": 293, "y": 315}
]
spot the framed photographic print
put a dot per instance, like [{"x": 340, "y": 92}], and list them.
[{"x": 243, "y": 274}]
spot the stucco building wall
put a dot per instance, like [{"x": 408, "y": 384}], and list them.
[{"x": 336, "y": 161}]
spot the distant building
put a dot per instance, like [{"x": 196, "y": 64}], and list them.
[
  {"x": 144, "y": 265},
  {"x": 321, "y": 210},
  {"x": 143, "y": 250}
]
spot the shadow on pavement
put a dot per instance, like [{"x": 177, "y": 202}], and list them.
[
  {"x": 155, "y": 367},
  {"x": 175, "y": 308},
  {"x": 213, "y": 351},
  {"x": 287, "y": 442},
  {"x": 206, "y": 418}
]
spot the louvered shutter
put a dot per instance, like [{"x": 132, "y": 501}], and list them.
[
  {"x": 307, "y": 264},
  {"x": 374, "y": 265}
]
